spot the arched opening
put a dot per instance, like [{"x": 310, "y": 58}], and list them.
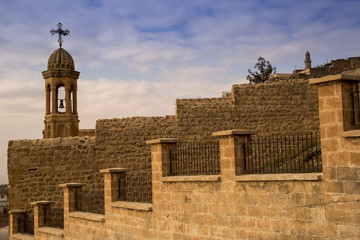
[
  {"x": 48, "y": 99},
  {"x": 60, "y": 97}
]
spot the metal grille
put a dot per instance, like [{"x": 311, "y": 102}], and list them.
[
  {"x": 139, "y": 188},
  {"x": 299, "y": 153},
  {"x": 195, "y": 159},
  {"x": 26, "y": 224},
  {"x": 53, "y": 217},
  {"x": 355, "y": 102}
]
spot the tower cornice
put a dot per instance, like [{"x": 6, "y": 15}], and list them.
[{"x": 60, "y": 73}]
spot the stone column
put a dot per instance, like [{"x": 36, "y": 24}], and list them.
[
  {"x": 160, "y": 157},
  {"x": 340, "y": 153},
  {"x": 53, "y": 99},
  {"x": 47, "y": 91},
  {"x": 232, "y": 160},
  {"x": 40, "y": 209},
  {"x": 335, "y": 113},
  {"x": 115, "y": 187},
  {"x": 14, "y": 225},
  {"x": 68, "y": 100},
  {"x": 160, "y": 163},
  {"x": 74, "y": 101},
  {"x": 72, "y": 200}
]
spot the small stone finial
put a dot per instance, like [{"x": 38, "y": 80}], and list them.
[
  {"x": 307, "y": 60},
  {"x": 60, "y": 32}
]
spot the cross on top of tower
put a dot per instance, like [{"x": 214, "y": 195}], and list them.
[{"x": 60, "y": 32}]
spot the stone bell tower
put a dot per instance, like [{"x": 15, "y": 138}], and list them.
[{"x": 61, "y": 117}]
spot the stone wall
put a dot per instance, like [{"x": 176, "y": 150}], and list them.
[
  {"x": 205, "y": 208},
  {"x": 277, "y": 107},
  {"x": 235, "y": 206},
  {"x": 121, "y": 143},
  {"x": 36, "y": 167},
  {"x": 283, "y": 107},
  {"x": 196, "y": 119}
]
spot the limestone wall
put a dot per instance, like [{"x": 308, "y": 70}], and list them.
[
  {"x": 37, "y": 167},
  {"x": 196, "y": 119},
  {"x": 121, "y": 143},
  {"x": 275, "y": 107},
  {"x": 278, "y": 107},
  {"x": 198, "y": 209}
]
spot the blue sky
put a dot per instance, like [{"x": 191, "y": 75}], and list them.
[{"x": 137, "y": 57}]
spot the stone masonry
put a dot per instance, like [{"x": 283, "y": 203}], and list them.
[
  {"x": 231, "y": 205},
  {"x": 37, "y": 167}
]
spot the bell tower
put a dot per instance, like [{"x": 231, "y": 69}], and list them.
[{"x": 61, "y": 117}]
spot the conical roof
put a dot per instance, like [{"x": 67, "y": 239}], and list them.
[{"x": 61, "y": 59}]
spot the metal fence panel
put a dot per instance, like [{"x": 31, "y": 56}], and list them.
[{"x": 297, "y": 153}]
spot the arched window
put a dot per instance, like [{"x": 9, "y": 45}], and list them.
[{"x": 61, "y": 104}]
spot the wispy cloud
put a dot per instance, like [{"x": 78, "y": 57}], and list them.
[{"x": 137, "y": 57}]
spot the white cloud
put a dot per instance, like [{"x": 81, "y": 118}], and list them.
[{"x": 142, "y": 55}]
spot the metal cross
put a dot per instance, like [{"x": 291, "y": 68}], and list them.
[{"x": 60, "y": 32}]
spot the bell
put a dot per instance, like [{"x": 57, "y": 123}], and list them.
[{"x": 61, "y": 106}]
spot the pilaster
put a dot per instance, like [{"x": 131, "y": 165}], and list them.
[
  {"x": 115, "y": 187},
  {"x": 40, "y": 209},
  {"x": 232, "y": 157}
]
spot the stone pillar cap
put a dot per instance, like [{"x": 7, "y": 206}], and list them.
[
  {"x": 162, "y": 140},
  {"x": 65, "y": 185},
  {"x": 41, "y": 203},
  {"x": 17, "y": 211},
  {"x": 233, "y": 132},
  {"x": 337, "y": 77},
  {"x": 114, "y": 170}
]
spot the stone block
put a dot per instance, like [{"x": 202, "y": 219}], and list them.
[
  {"x": 346, "y": 231},
  {"x": 329, "y": 173},
  {"x": 352, "y": 187},
  {"x": 334, "y": 187},
  {"x": 355, "y": 158}
]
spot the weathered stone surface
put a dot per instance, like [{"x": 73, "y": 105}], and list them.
[{"x": 37, "y": 167}]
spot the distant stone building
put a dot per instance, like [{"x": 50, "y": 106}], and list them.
[
  {"x": 3, "y": 202},
  {"x": 333, "y": 67}
]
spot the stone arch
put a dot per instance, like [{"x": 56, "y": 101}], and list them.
[{"x": 60, "y": 98}]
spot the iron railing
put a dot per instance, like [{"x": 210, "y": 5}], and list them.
[
  {"x": 53, "y": 217},
  {"x": 195, "y": 159},
  {"x": 355, "y": 102},
  {"x": 139, "y": 188},
  {"x": 26, "y": 224},
  {"x": 298, "y": 153}
]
